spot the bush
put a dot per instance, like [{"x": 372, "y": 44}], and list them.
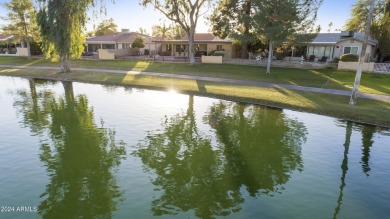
[
  {"x": 280, "y": 55},
  {"x": 349, "y": 58},
  {"x": 335, "y": 60},
  {"x": 216, "y": 53}
]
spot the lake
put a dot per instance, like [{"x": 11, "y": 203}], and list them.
[{"x": 76, "y": 150}]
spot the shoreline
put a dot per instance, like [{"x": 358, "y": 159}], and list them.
[{"x": 219, "y": 91}]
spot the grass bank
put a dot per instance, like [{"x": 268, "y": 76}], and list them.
[{"x": 367, "y": 111}]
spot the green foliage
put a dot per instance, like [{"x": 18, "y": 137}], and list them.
[
  {"x": 380, "y": 28},
  {"x": 335, "y": 60},
  {"x": 184, "y": 13},
  {"x": 349, "y": 58},
  {"x": 21, "y": 19},
  {"x": 280, "y": 20},
  {"x": 216, "y": 53},
  {"x": 138, "y": 43},
  {"x": 106, "y": 27},
  {"x": 280, "y": 55},
  {"x": 62, "y": 24},
  {"x": 359, "y": 13},
  {"x": 171, "y": 32},
  {"x": 232, "y": 18}
]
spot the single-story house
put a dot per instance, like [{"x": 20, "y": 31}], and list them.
[
  {"x": 5, "y": 43},
  {"x": 5, "y": 37},
  {"x": 333, "y": 45},
  {"x": 120, "y": 40},
  {"x": 203, "y": 42}
]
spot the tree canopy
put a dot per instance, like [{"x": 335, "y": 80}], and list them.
[
  {"x": 277, "y": 21},
  {"x": 234, "y": 18},
  {"x": 22, "y": 25},
  {"x": 380, "y": 28},
  {"x": 62, "y": 25},
  {"x": 183, "y": 12},
  {"x": 106, "y": 27}
]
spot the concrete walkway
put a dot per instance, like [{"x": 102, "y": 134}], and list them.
[{"x": 211, "y": 79}]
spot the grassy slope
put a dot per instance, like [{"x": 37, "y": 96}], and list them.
[{"x": 371, "y": 111}]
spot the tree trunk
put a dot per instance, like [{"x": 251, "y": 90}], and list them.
[
  {"x": 28, "y": 49},
  {"x": 244, "y": 47},
  {"x": 65, "y": 66},
  {"x": 270, "y": 55},
  {"x": 344, "y": 168},
  {"x": 191, "y": 48},
  {"x": 355, "y": 89}
]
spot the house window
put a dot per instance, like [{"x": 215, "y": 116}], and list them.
[
  {"x": 351, "y": 50},
  {"x": 219, "y": 47}
]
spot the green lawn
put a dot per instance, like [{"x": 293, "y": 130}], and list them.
[
  {"x": 324, "y": 78},
  {"x": 369, "y": 111}
]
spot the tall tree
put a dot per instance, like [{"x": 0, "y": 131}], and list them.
[
  {"x": 233, "y": 18},
  {"x": 21, "y": 18},
  {"x": 62, "y": 25},
  {"x": 380, "y": 28},
  {"x": 277, "y": 20},
  {"x": 183, "y": 12},
  {"x": 356, "y": 84},
  {"x": 330, "y": 27},
  {"x": 177, "y": 32},
  {"x": 106, "y": 27},
  {"x": 161, "y": 30},
  {"x": 142, "y": 31}
]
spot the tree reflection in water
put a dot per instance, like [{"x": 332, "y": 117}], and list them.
[
  {"x": 258, "y": 149},
  {"x": 79, "y": 156}
]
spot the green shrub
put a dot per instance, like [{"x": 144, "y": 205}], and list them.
[
  {"x": 349, "y": 58},
  {"x": 335, "y": 60},
  {"x": 216, "y": 53},
  {"x": 280, "y": 55}
]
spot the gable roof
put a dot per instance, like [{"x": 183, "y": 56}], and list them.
[
  {"x": 334, "y": 38},
  {"x": 121, "y": 37},
  {"x": 4, "y": 37}
]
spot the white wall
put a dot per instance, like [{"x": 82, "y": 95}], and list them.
[{"x": 346, "y": 43}]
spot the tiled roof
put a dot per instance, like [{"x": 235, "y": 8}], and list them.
[
  {"x": 200, "y": 37},
  {"x": 205, "y": 37},
  {"x": 333, "y": 38},
  {"x": 5, "y": 36},
  {"x": 122, "y": 37}
]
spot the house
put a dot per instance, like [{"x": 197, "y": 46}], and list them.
[
  {"x": 5, "y": 43},
  {"x": 120, "y": 40},
  {"x": 333, "y": 45},
  {"x": 203, "y": 42},
  {"x": 5, "y": 37}
]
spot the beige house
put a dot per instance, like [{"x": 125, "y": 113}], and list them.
[
  {"x": 204, "y": 43},
  {"x": 121, "y": 40},
  {"x": 333, "y": 45}
]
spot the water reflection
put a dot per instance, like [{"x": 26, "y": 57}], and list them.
[
  {"x": 258, "y": 149},
  {"x": 79, "y": 155},
  {"x": 367, "y": 133},
  {"x": 344, "y": 167},
  {"x": 367, "y": 142}
]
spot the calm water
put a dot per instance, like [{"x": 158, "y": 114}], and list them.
[{"x": 73, "y": 150}]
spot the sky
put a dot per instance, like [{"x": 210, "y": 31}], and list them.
[{"x": 128, "y": 14}]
